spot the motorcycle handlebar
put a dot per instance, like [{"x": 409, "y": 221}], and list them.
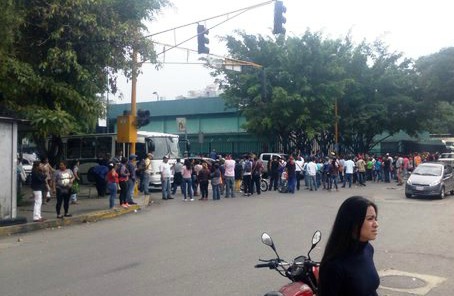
[{"x": 262, "y": 265}]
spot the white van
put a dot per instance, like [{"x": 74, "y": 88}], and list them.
[{"x": 266, "y": 157}]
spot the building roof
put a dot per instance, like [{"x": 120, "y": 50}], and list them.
[{"x": 180, "y": 107}]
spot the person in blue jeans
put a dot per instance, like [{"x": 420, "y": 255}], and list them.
[
  {"x": 216, "y": 182},
  {"x": 186, "y": 186},
  {"x": 165, "y": 170}
]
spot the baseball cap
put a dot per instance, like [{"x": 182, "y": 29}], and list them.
[
  {"x": 165, "y": 157},
  {"x": 132, "y": 156}
]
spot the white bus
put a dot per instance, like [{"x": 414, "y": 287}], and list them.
[{"x": 90, "y": 149}]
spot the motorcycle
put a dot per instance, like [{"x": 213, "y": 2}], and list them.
[{"x": 302, "y": 271}]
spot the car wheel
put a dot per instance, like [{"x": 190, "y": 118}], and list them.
[
  {"x": 407, "y": 195},
  {"x": 442, "y": 193}
]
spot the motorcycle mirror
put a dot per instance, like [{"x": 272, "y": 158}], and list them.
[
  {"x": 266, "y": 239},
  {"x": 316, "y": 237},
  {"x": 315, "y": 240}
]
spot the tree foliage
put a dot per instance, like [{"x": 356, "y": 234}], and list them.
[
  {"x": 376, "y": 90},
  {"x": 60, "y": 55}
]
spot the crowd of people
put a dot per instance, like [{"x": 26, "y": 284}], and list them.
[{"x": 122, "y": 178}]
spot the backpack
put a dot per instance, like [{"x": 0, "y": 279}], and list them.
[{"x": 247, "y": 166}]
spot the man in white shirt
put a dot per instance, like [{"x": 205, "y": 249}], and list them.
[
  {"x": 229, "y": 166},
  {"x": 165, "y": 170},
  {"x": 349, "y": 165},
  {"x": 312, "y": 174},
  {"x": 299, "y": 164}
]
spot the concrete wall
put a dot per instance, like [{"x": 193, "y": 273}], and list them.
[{"x": 8, "y": 152}]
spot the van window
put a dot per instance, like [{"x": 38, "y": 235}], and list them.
[{"x": 266, "y": 157}]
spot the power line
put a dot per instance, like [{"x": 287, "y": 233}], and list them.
[{"x": 214, "y": 17}]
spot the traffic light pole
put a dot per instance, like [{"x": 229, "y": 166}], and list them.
[{"x": 134, "y": 97}]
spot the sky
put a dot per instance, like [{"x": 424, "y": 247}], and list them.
[{"x": 414, "y": 27}]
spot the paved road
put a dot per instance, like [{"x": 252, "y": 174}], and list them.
[{"x": 209, "y": 248}]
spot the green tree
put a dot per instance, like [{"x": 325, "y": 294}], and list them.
[
  {"x": 291, "y": 99},
  {"x": 436, "y": 89},
  {"x": 60, "y": 54}
]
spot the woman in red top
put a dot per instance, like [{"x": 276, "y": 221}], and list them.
[{"x": 112, "y": 184}]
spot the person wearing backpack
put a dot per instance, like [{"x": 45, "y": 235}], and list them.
[{"x": 247, "y": 176}]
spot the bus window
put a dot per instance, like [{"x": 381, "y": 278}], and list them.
[
  {"x": 73, "y": 149},
  {"x": 104, "y": 147},
  {"x": 140, "y": 150},
  {"x": 88, "y": 148},
  {"x": 150, "y": 145}
]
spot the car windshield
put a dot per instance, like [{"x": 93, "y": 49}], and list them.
[{"x": 428, "y": 170}]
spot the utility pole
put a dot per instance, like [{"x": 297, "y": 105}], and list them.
[{"x": 134, "y": 99}]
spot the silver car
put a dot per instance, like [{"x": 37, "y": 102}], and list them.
[{"x": 430, "y": 179}]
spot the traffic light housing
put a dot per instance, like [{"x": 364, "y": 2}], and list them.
[
  {"x": 143, "y": 118},
  {"x": 279, "y": 19},
  {"x": 202, "y": 39}
]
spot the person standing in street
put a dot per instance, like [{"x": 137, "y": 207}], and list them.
[
  {"x": 112, "y": 184},
  {"x": 238, "y": 175},
  {"x": 76, "y": 182},
  {"x": 349, "y": 166},
  {"x": 312, "y": 174},
  {"x": 132, "y": 168},
  {"x": 247, "y": 176},
  {"x": 347, "y": 266},
  {"x": 229, "y": 175},
  {"x": 62, "y": 182},
  {"x": 291, "y": 175},
  {"x": 177, "y": 176},
  {"x": 39, "y": 185},
  {"x": 299, "y": 163},
  {"x": 186, "y": 187},
  {"x": 148, "y": 169},
  {"x": 166, "y": 172},
  {"x": 203, "y": 179},
  {"x": 123, "y": 176},
  {"x": 361, "y": 165}
]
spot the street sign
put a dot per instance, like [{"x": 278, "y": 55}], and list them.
[{"x": 181, "y": 124}]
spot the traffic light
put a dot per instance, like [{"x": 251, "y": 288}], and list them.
[
  {"x": 279, "y": 19},
  {"x": 143, "y": 118},
  {"x": 202, "y": 39}
]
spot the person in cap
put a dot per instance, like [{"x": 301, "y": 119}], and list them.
[
  {"x": 147, "y": 170},
  {"x": 165, "y": 170},
  {"x": 132, "y": 168}
]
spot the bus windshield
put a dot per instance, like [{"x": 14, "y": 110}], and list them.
[{"x": 163, "y": 146}]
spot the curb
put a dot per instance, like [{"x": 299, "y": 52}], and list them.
[{"x": 55, "y": 223}]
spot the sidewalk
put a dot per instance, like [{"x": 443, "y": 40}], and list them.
[{"x": 90, "y": 208}]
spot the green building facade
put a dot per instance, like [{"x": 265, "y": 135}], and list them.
[{"x": 209, "y": 125}]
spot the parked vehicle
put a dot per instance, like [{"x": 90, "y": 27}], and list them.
[
  {"x": 447, "y": 158},
  {"x": 263, "y": 185},
  {"x": 266, "y": 157},
  {"x": 430, "y": 179},
  {"x": 207, "y": 160},
  {"x": 302, "y": 271}
]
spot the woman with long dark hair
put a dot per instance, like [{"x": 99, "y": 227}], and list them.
[{"x": 347, "y": 267}]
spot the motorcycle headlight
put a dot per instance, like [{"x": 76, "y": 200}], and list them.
[{"x": 434, "y": 183}]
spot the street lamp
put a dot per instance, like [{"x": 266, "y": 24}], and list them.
[{"x": 157, "y": 95}]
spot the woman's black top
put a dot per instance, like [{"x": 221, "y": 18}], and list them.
[
  {"x": 38, "y": 181},
  {"x": 352, "y": 274}
]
